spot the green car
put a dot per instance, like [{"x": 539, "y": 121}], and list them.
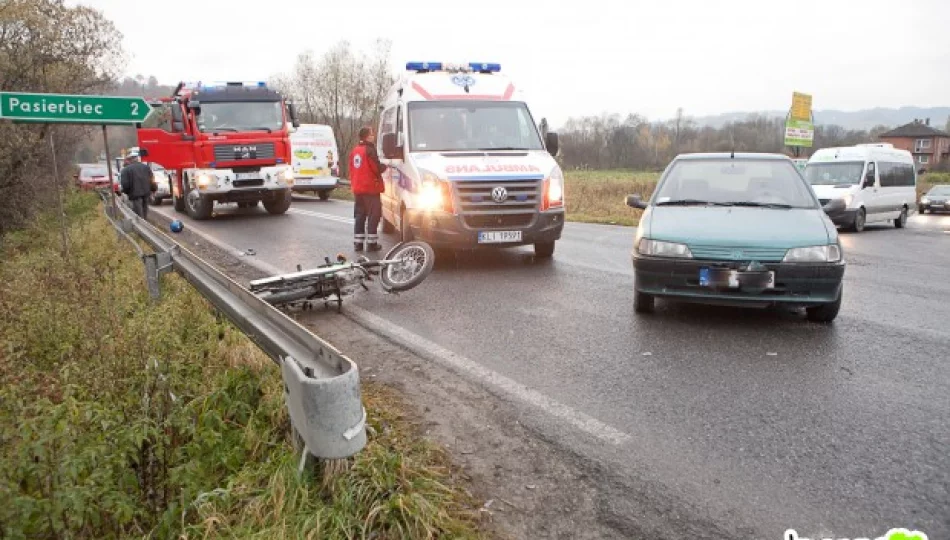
[{"x": 740, "y": 230}]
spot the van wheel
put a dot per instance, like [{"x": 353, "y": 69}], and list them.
[
  {"x": 902, "y": 220},
  {"x": 324, "y": 195},
  {"x": 860, "y": 219},
  {"x": 405, "y": 231},
  {"x": 824, "y": 313},
  {"x": 544, "y": 250}
]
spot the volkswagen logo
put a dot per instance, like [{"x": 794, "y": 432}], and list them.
[{"x": 499, "y": 194}]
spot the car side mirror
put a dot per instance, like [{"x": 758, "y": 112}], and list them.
[
  {"x": 634, "y": 201},
  {"x": 390, "y": 150},
  {"x": 551, "y": 143}
]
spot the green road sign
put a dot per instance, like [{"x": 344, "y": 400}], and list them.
[
  {"x": 72, "y": 109},
  {"x": 799, "y": 133}
]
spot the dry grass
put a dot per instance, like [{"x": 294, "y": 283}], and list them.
[{"x": 599, "y": 196}]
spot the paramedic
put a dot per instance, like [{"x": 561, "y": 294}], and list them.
[{"x": 366, "y": 181}]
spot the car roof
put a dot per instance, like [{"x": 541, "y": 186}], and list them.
[{"x": 746, "y": 156}]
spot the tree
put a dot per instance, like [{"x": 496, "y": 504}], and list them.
[
  {"x": 47, "y": 46},
  {"x": 342, "y": 88}
]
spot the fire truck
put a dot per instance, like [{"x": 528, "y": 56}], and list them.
[{"x": 223, "y": 143}]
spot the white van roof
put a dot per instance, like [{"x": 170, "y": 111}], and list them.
[
  {"x": 437, "y": 81},
  {"x": 862, "y": 152}
]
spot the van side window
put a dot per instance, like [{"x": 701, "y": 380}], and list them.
[
  {"x": 387, "y": 124},
  {"x": 896, "y": 174}
]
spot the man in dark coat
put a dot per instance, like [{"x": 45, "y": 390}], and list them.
[{"x": 138, "y": 182}]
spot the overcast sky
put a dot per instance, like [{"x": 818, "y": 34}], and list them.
[{"x": 586, "y": 57}]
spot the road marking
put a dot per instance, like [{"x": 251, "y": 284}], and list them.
[
  {"x": 331, "y": 217},
  {"x": 464, "y": 366}
]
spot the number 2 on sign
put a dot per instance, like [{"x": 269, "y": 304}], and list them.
[{"x": 135, "y": 109}]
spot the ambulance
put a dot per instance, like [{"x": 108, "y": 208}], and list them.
[
  {"x": 468, "y": 166},
  {"x": 315, "y": 159}
]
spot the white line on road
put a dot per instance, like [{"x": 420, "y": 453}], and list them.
[
  {"x": 320, "y": 215},
  {"x": 456, "y": 362}
]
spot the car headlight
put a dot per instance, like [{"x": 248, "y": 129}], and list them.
[
  {"x": 555, "y": 191},
  {"x": 658, "y": 248},
  {"x": 925, "y": 200},
  {"x": 847, "y": 199},
  {"x": 826, "y": 253},
  {"x": 434, "y": 193}
]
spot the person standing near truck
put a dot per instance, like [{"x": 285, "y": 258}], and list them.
[
  {"x": 137, "y": 181},
  {"x": 366, "y": 181}
]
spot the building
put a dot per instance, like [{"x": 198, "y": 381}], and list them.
[{"x": 930, "y": 146}]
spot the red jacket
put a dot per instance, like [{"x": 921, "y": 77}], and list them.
[{"x": 366, "y": 172}]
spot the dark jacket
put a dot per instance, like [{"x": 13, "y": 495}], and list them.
[{"x": 137, "y": 180}]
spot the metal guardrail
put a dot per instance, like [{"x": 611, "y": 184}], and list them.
[{"x": 321, "y": 384}]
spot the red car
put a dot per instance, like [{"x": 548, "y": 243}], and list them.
[{"x": 92, "y": 176}]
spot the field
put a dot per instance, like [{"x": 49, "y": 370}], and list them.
[
  {"x": 599, "y": 196},
  {"x": 120, "y": 417}
]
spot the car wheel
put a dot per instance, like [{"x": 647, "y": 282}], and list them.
[
  {"x": 824, "y": 313},
  {"x": 902, "y": 220},
  {"x": 544, "y": 250},
  {"x": 860, "y": 220},
  {"x": 643, "y": 302}
]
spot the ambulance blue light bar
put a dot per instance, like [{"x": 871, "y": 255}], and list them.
[{"x": 484, "y": 67}]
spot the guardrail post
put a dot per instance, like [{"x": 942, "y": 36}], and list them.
[{"x": 156, "y": 264}]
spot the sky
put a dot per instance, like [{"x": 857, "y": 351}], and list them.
[{"x": 584, "y": 57}]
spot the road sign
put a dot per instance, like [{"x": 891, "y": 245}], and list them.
[
  {"x": 799, "y": 133},
  {"x": 72, "y": 109},
  {"x": 801, "y": 106}
]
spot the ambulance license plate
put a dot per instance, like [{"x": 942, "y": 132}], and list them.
[{"x": 498, "y": 237}]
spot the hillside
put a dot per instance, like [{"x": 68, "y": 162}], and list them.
[{"x": 865, "y": 119}]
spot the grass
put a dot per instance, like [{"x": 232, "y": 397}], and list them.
[
  {"x": 599, "y": 196},
  {"x": 120, "y": 417}
]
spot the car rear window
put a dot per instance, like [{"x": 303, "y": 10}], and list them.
[{"x": 94, "y": 171}]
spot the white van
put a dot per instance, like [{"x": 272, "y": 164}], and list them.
[
  {"x": 315, "y": 159},
  {"x": 867, "y": 183},
  {"x": 468, "y": 167}
]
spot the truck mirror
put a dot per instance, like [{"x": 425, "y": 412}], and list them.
[
  {"x": 178, "y": 126},
  {"x": 551, "y": 143},
  {"x": 390, "y": 150},
  {"x": 143, "y": 152},
  {"x": 292, "y": 112}
]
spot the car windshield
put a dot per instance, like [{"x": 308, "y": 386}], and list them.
[
  {"x": 241, "y": 116},
  {"x": 735, "y": 182},
  {"x": 446, "y": 126},
  {"x": 834, "y": 174},
  {"x": 942, "y": 191},
  {"x": 94, "y": 171}
]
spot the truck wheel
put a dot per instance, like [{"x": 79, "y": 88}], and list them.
[
  {"x": 544, "y": 250},
  {"x": 179, "y": 203},
  {"x": 279, "y": 203},
  {"x": 199, "y": 206},
  {"x": 324, "y": 195}
]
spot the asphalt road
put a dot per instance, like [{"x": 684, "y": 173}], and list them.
[{"x": 754, "y": 421}]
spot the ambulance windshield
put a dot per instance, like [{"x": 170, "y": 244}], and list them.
[{"x": 438, "y": 126}]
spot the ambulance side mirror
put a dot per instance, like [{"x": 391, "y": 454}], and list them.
[
  {"x": 390, "y": 150},
  {"x": 551, "y": 143}
]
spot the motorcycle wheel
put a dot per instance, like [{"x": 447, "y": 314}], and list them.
[{"x": 418, "y": 259}]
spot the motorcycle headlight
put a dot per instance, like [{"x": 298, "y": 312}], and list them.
[
  {"x": 826, "y": 253},
  {"x": 658, "y": 248}
]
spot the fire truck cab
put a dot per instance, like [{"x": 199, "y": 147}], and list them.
[{"x": 223, "y": 143}]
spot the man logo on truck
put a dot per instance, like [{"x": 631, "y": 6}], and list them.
[{"x": 245, "y": 152}]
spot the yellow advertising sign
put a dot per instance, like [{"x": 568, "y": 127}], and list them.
[{"x": 801, "y": 106}]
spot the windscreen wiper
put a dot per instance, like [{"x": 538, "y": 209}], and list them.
[
  {"x": 504, "y": 148},
  {"x": 758, "y": 205},
  {"x": 687, "y": 202},
  {"x": 215, "y": 130}
]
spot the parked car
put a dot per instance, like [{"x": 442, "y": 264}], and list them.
[
  {"x": 737, "y": 229},
  {"x": 91, "y": 176},
  {"x": 164, "y": 183},
  {"x": 935, "y": 200}
]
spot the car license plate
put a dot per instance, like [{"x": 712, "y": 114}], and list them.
[
  {"x": 248, "y": 176},
  {"x": 498, "y": 237},
  {"x": 731, "y": 278}
]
